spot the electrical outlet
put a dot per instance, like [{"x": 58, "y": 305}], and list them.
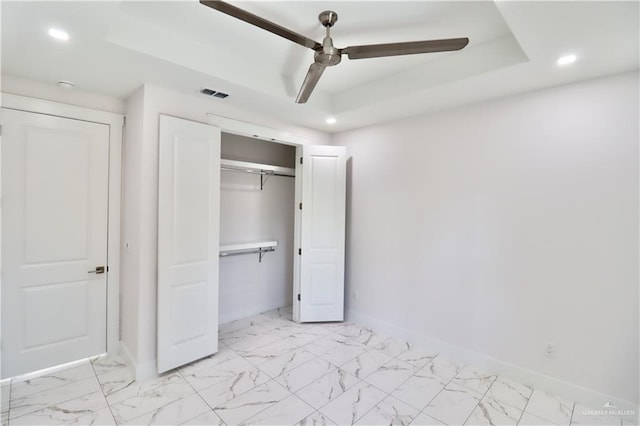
[{"x": 550, "y": 349}]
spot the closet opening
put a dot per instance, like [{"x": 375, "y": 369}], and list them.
[
  {"x": 257, "y": 223},
  {"x": 245, "y": 225}
]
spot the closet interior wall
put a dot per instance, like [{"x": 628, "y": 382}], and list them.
[{"x": 249, "y": 214}]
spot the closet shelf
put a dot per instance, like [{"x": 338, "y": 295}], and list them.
[
  {"x": 264, "y": 170},
  {"x": 256, "y": 168},
  {"x": 260, "y": 247}
]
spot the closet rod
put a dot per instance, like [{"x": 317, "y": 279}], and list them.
[{"x": 254, "y": 172}]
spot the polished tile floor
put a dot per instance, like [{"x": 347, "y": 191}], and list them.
[{"x": 272, "y": 371}]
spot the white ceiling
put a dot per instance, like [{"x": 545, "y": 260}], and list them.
[{"x": 115, "y": 47}]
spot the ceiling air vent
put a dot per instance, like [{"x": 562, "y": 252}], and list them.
[{"x": 213, "y": 93}]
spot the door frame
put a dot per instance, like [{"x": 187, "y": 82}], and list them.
[
  {"x": 267, "y": 134},
  {"x": 116, "y": 123}
]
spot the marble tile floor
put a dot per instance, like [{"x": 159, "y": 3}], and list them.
[{"x": 272, "y": 371}]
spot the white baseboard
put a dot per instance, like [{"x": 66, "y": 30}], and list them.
[
  {"x": 141, "y": 371},
  {"x": 250, "y": 311},
  {"x": 579, "y": 394}
]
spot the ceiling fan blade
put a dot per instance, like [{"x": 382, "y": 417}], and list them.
[
  {"x": 259, "y": 22},
  {"x": 310, "y": 81},
  {"x": 408, "y": 48}
]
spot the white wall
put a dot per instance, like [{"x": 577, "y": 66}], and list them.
[
  {"x": 142, "y": 184},
  {"x": 243, "y": 148},
  {"x": 499, "y": 227},
  {"x": 248, "y": 214},
  {"x": 53, "y": 92},
  {"x": 132, "y": 156}
]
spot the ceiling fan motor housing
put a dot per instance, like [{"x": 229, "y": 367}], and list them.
[{"x": 329, "y": 55}]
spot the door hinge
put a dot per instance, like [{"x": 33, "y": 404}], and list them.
[
  {"x": 124, "y": 121},
  {"x": 300, "y": 251},
  {"x": 300, "y": 206},
  {"x": 298, "y": 297},
  {"x": 300, "y": 160}
]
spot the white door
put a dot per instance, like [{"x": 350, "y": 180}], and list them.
[
  {"x": 54, "y": 235},
  {"x": 322, "y": 233},
  {"x": 188, "y": 240}
]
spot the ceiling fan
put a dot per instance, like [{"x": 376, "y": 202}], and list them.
[{"x": 326, "y": 55}]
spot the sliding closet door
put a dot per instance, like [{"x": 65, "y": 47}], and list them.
[
  {"x": 188, "y": 238},
  {"x": 322, "y": 233}
]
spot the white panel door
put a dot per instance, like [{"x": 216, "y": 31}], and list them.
[
  {"x": 322, "y": 233},
  {"x": 188, "y": 240},
  {"x": 54, "y": 233}
]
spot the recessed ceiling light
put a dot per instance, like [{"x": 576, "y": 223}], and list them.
[
  {"x": 566, "y": 60},
  {"x": 331, "y": 120},
  {"x": 66, "y": 84},
  {"x": 58, "y": 34}
]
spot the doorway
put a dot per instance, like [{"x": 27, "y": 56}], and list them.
[
  {"x": 57, "y": 229},
  {"x": 257, "y": 206}
]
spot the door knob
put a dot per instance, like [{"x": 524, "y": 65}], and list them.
[{"x": 98, "y": 270}]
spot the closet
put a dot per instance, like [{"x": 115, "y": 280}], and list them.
[
  {"x": 249, "y": 219},
  {"x": 257, "y": 197}
]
